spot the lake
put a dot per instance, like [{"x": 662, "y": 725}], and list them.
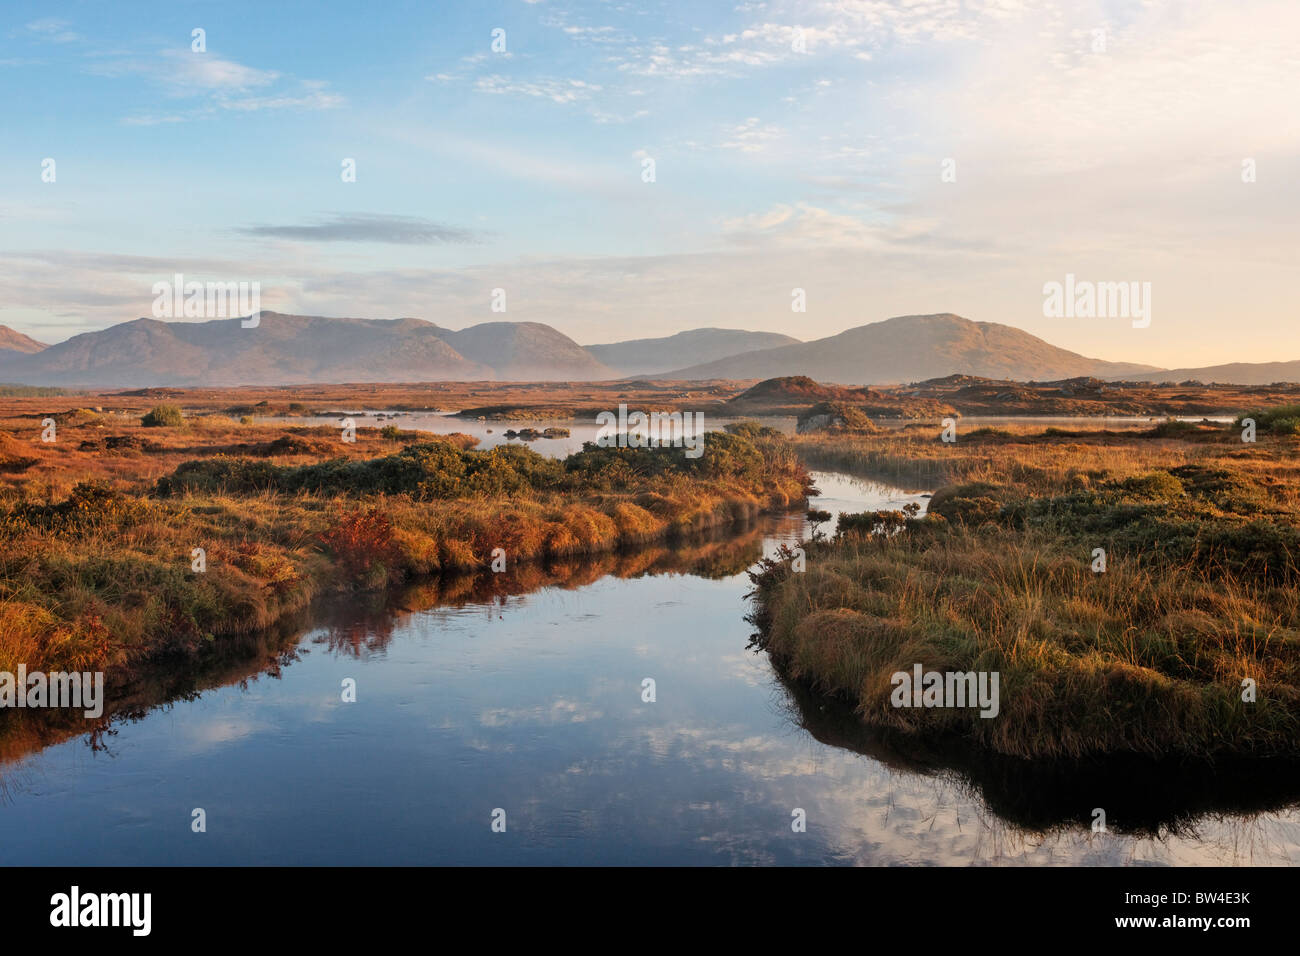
[{"x": 489, "y": 433}]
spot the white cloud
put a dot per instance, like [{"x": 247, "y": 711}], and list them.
[
  {"x": 558, "y": 91},
  {"x": 189, "y": 73},
  {"x": 750, "y": 136},
  {"x": 221, "y": 84},
  {"x": 53, "y": 30}
]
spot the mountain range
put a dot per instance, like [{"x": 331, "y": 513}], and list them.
[{"x": 299, "y": 349}]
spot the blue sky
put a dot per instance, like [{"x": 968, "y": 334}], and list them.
[{"x": 796, "y": 144}]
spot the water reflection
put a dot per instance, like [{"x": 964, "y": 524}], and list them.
[{"x": 1141, "y": 796}]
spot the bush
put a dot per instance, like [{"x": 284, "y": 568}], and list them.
[
  {"x": 886, "y": 522},
  {"x": 1282, "y": 420},
  {"x": 972, "y": 503},
  {"x": 1155, "y": 485},
  {"x": 362, "y": 544},
  {"x": 163, "y": 416},
  {"x": 426, "y": 470},
  {"x": 1174, "y": 428},
  {"x": 91, "y": 506}
]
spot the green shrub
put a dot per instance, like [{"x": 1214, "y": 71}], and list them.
[
  {"x": 1155, "y": 485},
  {"x": 1282, "y": 420},
  {"x": 439, "y": 469},
  {"x": 1174, "y": 428},
  {"x": 163, "y": 416}
]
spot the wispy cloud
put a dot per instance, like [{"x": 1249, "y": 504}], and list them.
[
  {"x": 221, "y": 84},
  {"x": 750, "y": 136},
  {"x": 403, "y": 230},
  {"x": 558, "y": 91},
  {"x": 184, "y": 73},
  {"x": 53, "y": 30}
]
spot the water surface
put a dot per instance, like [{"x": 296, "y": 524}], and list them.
[{"x": 489, "y": 433}]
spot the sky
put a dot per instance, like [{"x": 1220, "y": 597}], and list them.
[{"x": 887, "y": 158}]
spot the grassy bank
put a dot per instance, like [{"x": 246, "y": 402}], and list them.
[
  {"x": 1200, "y": 592},
  {"x": 105, "y": 578}
]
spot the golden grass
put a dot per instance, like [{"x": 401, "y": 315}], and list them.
[
  {"x": 1200, "y": 593},
  {"x": 101, "y": 576}
]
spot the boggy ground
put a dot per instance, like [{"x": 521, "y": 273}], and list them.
[
  {"x": 1200, "y": 589},
  {"x": 23, "y": 407}
]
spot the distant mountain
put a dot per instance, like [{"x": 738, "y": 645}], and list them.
[
  {"x": 526, "y": 351},
  {"x": 910, "y": 348},
  {"x": 1235, "y": 373},
  {"x": 282, "y": 349},
  {"x": 647, "y": 356},
  {"x": 297, "y": 349},
  {"x": 12, "y": 341}
]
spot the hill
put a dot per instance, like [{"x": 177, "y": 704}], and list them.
[
  {"x": 911, "y": 348},
  {"x": 298, "y": 349},
  {"x": 526, "y": 351},
  {"x": 12, "y": 341},
  {"x": 282, "y": 349},
  {"x": 793, "y": 395},
  {"x": 1236, "y": 373},
  {"x": 647, "y": 356}
]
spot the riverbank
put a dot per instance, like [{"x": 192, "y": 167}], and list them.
[
  {"x": 122, "y": 573},
  {"x": 1135, "y": 593}
]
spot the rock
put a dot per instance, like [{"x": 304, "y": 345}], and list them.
[{"x": 837, "y": 417}]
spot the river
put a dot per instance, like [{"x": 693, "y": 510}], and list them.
[{"x": 523, "y": 693}]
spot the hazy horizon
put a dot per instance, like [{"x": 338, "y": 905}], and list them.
[{"x": 885, "y": 159}]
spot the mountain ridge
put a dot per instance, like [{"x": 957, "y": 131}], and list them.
[
  {"x": 11, "y": 340},
  {"x": 911, "y": 348},
  {"x": 1236, "y": 373}
]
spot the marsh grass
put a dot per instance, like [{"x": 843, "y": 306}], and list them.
[
  {"x": 102, "y": 578},
  {"x": 1201, "y": 591}
]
